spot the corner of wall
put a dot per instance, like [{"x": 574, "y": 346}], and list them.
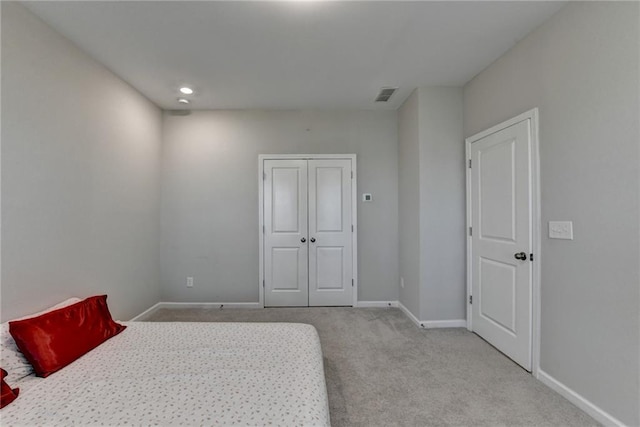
[{"x": 442, "y": 205}]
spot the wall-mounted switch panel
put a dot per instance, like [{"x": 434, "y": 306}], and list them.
[
  {"x": 561, "y": 230},
  {"x": 367, "y": 197},
  {"x": 189, "y": 282}
]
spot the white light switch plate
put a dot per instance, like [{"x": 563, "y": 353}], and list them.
[{"x": 561, "y": 230}]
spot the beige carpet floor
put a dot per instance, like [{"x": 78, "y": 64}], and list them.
[{"x": 382, "y": 370}]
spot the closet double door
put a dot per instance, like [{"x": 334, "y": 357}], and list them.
[{"x": 308, "y": 253}]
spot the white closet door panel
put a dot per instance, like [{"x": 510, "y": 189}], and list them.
[
  {"x": 286, "y": 200},
  {"x": 285, "y": 241},
  {"x": 330, "y": 244},
  {"x": 285, "y": 272},
  {"x": 330, "y": 267},
  {"x": 329, "y": 203}
]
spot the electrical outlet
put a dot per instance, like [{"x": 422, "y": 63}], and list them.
[
  {"x": 189, "y": 282},
  {"x": 402, "y": 282}
]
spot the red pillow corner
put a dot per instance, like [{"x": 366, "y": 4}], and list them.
[
  {"x": 53, "y": 340},
  {"x": 8, "y": 394}
]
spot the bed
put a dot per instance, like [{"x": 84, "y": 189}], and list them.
[{"x": 185, "y": 374}]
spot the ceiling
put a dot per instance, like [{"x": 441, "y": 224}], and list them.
[{"x": 292, "y": 54}]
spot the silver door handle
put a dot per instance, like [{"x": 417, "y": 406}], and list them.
[
  {"x": 313, "y": 239},
  {"x": 303, "y": 240}
]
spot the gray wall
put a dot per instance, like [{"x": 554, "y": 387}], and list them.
[
  {"x": 442, "y": 205},
  {"x": 80, "y": 173},
  {"x": 431, "y": 204},
  {"x": 581, "y": 69},
  {"x": 210, "y": 196},
  {"x": 409, "y": 201}
]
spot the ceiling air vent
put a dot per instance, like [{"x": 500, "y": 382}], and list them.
[{"x": 385, "y": 94}]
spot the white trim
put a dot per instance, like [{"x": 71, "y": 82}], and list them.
[
  {"x": 261, "y": 230},
  {"x": 354, "y": 222},
  {"x": 305, "y": 156},
  {"x": 354, "y": 213},
  {"x": 436, "y": 324},
  {"x": 410, "y": 315},
  {"x": 530, "y": 114},
  {"x": 376, "y": 304},
  {"x": 209, "y": 305},
  {"x": 597, "y": 413},
  {"x": 536, "y": 228},
  {"x": 432, "y": 324},
  {"x": 467, "y": 169},
  {"x": 427, "y": 324},
  {"x": 145, "y": 313},
  {"x": 536, "y": 218},
  {"x": 181, "y": 305}
]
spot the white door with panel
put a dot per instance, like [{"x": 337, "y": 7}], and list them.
[
  {"x": 330, "y": 266},
  {"x": 308, "y": 250},
  {"x": 285, "y": 225},
  {"x": 501, "y": 240}
]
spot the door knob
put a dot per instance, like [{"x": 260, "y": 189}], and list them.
[
  {"x": 303, "y": 240},
  {"x": 313, "y": 239},
  {"x": 521, "y": 256}
]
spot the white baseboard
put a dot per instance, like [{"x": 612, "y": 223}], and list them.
[
  {"x": 145, "y": 313},
  {"x": 410, "y": 315},
  {"x": 209, "y": 305},
  {"x": 376, "y": 304},
  {"x": 597, "y": 413},
  {"x": 195, "y": 305},
  {"x": 432, "y": 324},
  {"x": 428, "y": 324},
  {"x": 157, "y": 306}
]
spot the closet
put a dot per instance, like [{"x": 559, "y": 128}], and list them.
[{"x": 308, "y": 231}]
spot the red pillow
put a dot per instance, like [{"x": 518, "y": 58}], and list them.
[
  {"x": 55, "y": 339},
  {"x": 8, "y": 394}
]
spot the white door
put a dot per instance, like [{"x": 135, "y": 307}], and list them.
[
  {"x": 330, "y": 267},
  {"x": 285, "y": 228},
  {"x": 501, "y": 240},
  {"x": 308, "y": 254}
]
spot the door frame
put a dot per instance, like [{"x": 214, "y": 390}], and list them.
[
  {"x": 531, "y": 115},
  {"x": 354, "y": 212}
]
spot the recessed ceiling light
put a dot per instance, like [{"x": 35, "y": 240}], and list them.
[
  {"x": 186, "y": 90},
  {"x": 183, "y": 101}
]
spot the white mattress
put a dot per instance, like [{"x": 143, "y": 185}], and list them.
[{"x": 185, "y": 374}]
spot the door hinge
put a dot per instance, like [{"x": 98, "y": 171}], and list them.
[
  {"x": 264, "y": 175},
  {"x": 351, "y": 282},
  {"x": 264, "y": 230},
  {"x": 470, "y": 299},
  {"x": 263, "y": 283},
  {"x": 470, "y": 231},
  {"x": 352, "y": 228},
  {"x": 469, "y": 163},
  {"x": 531, "y": 257},
  {"x": 351, "y": 174}
]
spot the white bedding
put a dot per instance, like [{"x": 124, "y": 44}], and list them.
[{"x": 185, "y": 374}]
